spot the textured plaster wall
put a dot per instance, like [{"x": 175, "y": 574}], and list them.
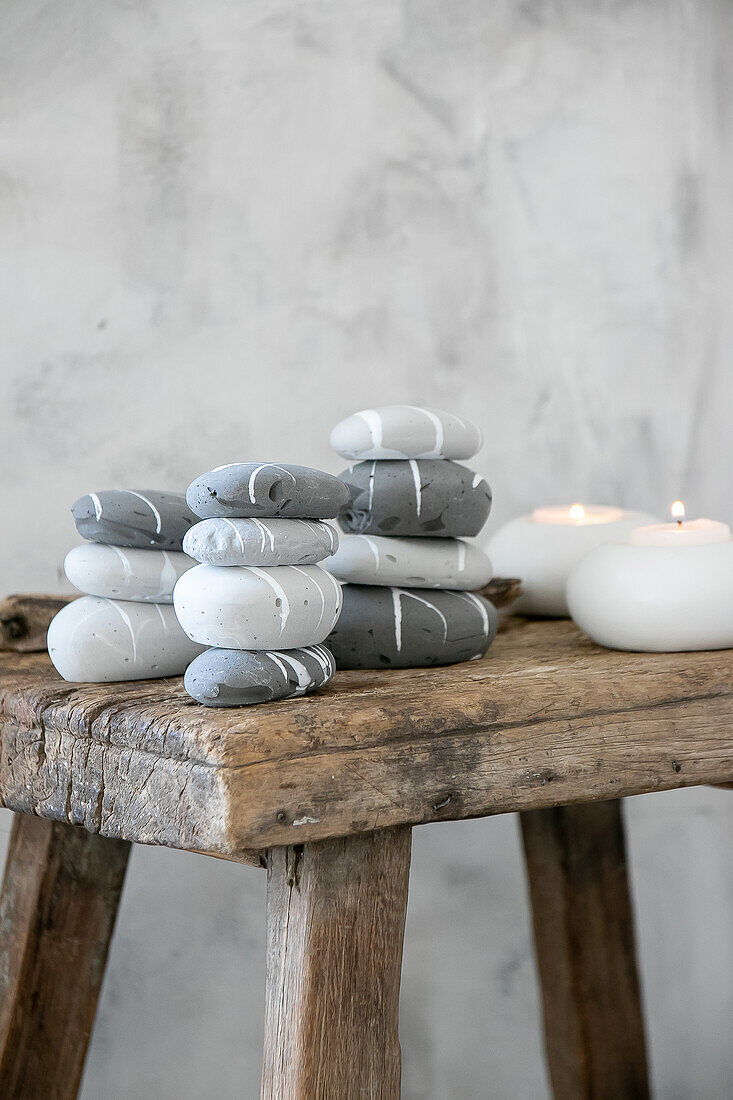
[{"x": 227, "y": 224}]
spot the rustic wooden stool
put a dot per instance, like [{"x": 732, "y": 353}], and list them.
[{"x": 323, "y": 792}]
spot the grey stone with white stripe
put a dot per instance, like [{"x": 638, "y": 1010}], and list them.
[
  {"x": 145, "y": 518},
  {"x": 239, "y": 678},
  {"x": 410, "y": 563},
  {"x": 429, "y": 497},
  {"x": 260, "y": 541},
  {"x": 405, "y": 431},
  {"x": 264, "y": 490},
  {"x": 410, "y": 627}
]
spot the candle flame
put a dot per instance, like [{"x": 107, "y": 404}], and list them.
[
  {"x": 577, "y": 512},
  {"x": 678, "y": 510}
]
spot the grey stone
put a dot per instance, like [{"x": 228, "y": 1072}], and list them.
[
  {"x": 239, "y": 678},
  {"x": 410, "y": 627},
  {"x": 410, "y": 563},
  {"x": 261, "y": 541},
  {"x": 426, "y": 497},
  {"x": 241, "y": 490},
  {"x": 405, "y": 431},
  {"x": 133, "y": 517}
]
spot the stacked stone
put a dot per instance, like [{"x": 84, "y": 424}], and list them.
[
  {"x": 125, "y": 627},
  {"x": 259, "y": 598},
  {"x": 410, "y": 578}
]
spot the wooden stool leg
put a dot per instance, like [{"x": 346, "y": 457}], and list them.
[
  {"x": 335, "y": 926},
  {"x": 584, "y": 939},
  {"x": 57, "y": 911}
]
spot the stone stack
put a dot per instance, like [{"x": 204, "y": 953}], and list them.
[
  {"x": 259, "y": 598},
  {"x": 408, "y": 596},
  {"x": 125, "y": 627}
]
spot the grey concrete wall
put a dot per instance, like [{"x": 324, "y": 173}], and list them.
[{"x": 227, "y": 224}]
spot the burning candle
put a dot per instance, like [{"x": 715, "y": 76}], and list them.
[
  {"x": 669, "y": 587},
  {"x": 543, "y": 547},
  {"x": 698, "y": 532}
]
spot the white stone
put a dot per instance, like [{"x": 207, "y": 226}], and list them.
[
  {"x": 260, "y": 541},
  {"x": 405, "y": 431},
  {"x": 283, "y": 607},
  {"x": 120, "y": 573},
  {"x": 95, "y": 640},
  {"x": 410, "y": 563}
]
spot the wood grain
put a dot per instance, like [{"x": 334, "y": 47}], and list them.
[
  {"x": 335, "y": 926},
  {"x": 546, "y": 718},
  {"x": 58, "y": 905},
  {"x": 24, "y": 620},
  {"x": 584, "y": 940}
]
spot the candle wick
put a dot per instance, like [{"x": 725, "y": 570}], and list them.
[{"x": 679, "y": 522}]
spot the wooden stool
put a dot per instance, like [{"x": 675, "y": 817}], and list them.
[{"x": 323, "y": 792}]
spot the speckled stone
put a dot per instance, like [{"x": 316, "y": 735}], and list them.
[
  {"x": 410, "y": 563},
  {"x": 419, "y": 497},
  {"x": 264, "y": 490},
  {"x": 239, "y": 678},
  {"x": 145, "y": 518},
  {"x": 410, "y": 627},
  {"x": 405, "y": 431},
  {"x": 260, "y": 541},
  {"x": 284, "y": 607},
  {"x": 124, "y": 573},
  {"x": 94, "y": 640}
]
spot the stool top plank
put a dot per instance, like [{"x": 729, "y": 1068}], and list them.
[{"x": 546, "y": 718}]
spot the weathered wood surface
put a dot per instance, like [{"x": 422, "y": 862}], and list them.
[
  {"x": 546, "y": 718},
  {"x": 335, "y": 926},
  {"x": 584, "y": 940},
  {"x": 24, "y": 620},
  {"x": 58, "y": 904},
  {"x": 502, "y": 591}
]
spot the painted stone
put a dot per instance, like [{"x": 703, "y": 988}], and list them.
[
  {"x": 264, "y": 490},
  {"x": 95, "y": 640},
  {"x": 410, "y": 627},
  {"x": 420, "y": 497},
  {"x": 248, "y": 607},
  {"x": 239, "y": 678},
  {"x": 410, "y": 563},
  {"x": 131, "y": 517},
  {"x": 405, "y": 431},
  {"x": 124, "y": 573},
  {"x": 260, "y": 541}
]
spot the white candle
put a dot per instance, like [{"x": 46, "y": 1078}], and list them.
[
  {"x": 682, "y": 532},
  {"x": 668, "y": 588},
  {"x": 576, "y": 515},
  {"x": 543, "y": 547}
]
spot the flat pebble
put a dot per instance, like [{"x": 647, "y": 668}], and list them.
[
  {"x": 239, "y": 678},
  {"x": 285, "y": 607},
  {"x": 260, "y": 541},
  {"x": 405, "y": 431},
  {"x": 410, "y": 563},
  {"x": 410, "y": 627},
  {"x": 133, "y": 517},
  {"x": 124, "y": 573},
  {"x": 241, "y": 490},
  {"x": 95, "y": 640},
  {"x": 433, "y": 498}
]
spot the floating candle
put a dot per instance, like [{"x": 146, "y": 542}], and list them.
[
  {"x": 668, "y": 588},
  {"x": 696, "y": 532},
  {"x": 576, "y": 515},
  {"x": 543, "y": 547}
]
